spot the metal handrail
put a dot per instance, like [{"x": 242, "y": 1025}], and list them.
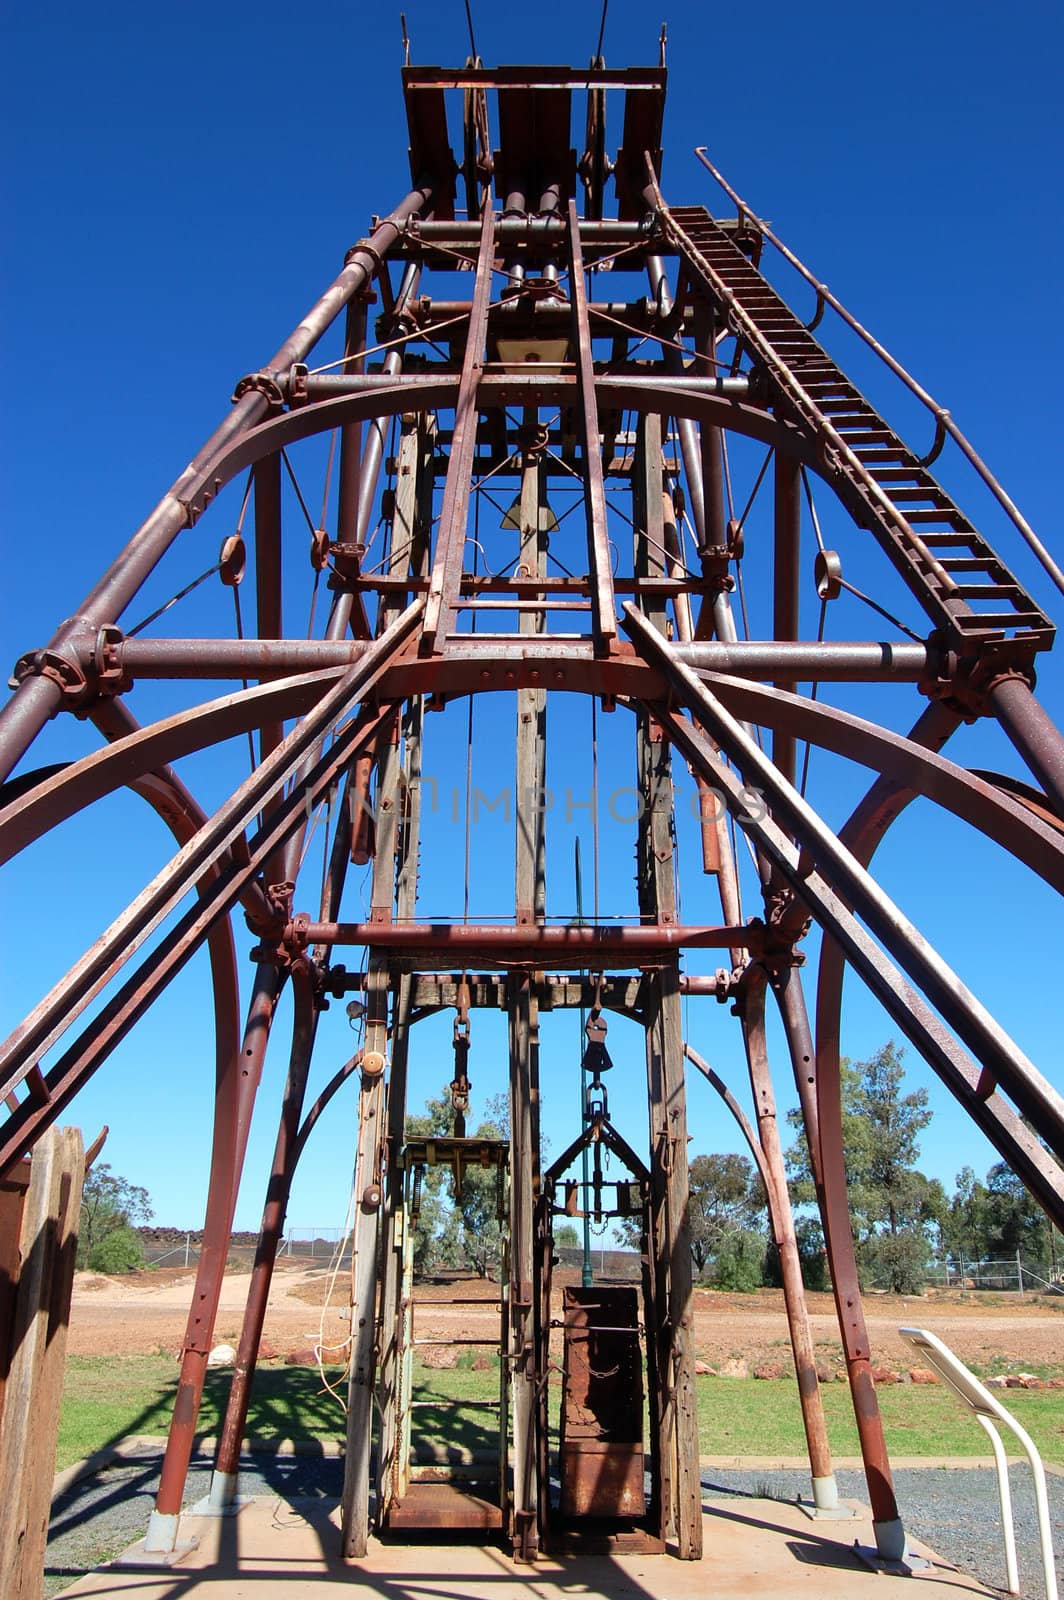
[{"x": 944, "y": 423}]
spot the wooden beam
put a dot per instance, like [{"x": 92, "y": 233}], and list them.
[{"x": 30, "y": 1422}]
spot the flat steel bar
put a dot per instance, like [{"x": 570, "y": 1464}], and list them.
[
  {"x": 787, "y": 523},
  {"x": 39, "y": 697},
  {"x": 603, "y": 604},
  {"x": 268, "y": 592},
  {"x": 768, "y": 1158},
  {"x": 1022, "y": 1081},
  {"x": 140, "y": 990},
  {"x": 444, "y": 589},
  {"x": 94, "y": 970},
  {"x": 861, "y": 834}
]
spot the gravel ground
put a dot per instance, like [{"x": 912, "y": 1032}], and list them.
[
  {"x": 955, "y": 1510},
  {"x": 99, "y": 1516}
]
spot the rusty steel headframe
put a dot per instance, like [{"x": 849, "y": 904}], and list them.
[{"x": 531, "y": 382}]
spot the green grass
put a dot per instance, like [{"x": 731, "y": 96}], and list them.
[
  {"x": 106, "y": 1399},
  {"x": 741, "y": 1416}
]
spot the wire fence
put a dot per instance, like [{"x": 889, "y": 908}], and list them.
[
  {"x": 303, "y": 1244},
  {"x": 1010, "y": 1274}
]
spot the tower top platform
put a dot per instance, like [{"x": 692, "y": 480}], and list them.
[{"x": 515, "y": 134}]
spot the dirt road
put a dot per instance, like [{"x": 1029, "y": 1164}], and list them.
[{"x": 146, "y": 1312}]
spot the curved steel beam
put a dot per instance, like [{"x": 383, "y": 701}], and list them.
[
  {"x": 385, "y": 398},
  {"x": 1008, "y": 820},
  {"x": 184, "y": 816}
]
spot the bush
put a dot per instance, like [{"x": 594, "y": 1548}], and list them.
[
  {"x": 118, "y": 1251},
  {"x": 738, "y": 1262}
]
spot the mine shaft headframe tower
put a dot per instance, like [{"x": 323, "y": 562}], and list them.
[{"x": 539, "y": 377}]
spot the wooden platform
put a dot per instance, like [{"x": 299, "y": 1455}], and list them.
[{"x": 453, "y": 1506}]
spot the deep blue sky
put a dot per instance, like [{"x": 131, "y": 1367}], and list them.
[{"x": 179, "y": 185}]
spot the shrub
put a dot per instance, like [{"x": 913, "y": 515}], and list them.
[{"x": 118, "y": 1251}]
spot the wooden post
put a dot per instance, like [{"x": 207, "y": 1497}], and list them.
[
  {"x": 681, "y": 1493},
  {"x": 524, "y": 1192},
  {"x": 407, "y": 552},
  {"x": 364, "y": 1251},
  {"x": 29, "y": 1424}
]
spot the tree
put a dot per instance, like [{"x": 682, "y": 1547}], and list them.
[
  {"x": 566, "y": 1237},
  {"x": 1017, "y": 1225},
  {"x": 726, "y": 1199},
  {"x": 111, "y": 1208},
  {"x": 459, "y": 1229},
  {"x": 894, "y": 1208},
  {"x": 966, "y": 1225}
]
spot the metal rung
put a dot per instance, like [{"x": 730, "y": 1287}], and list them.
[
  {"x": 445, "y": 1400},
  {"x": 492, "y": 1303},
  {"x": 456, "y": 1341}
]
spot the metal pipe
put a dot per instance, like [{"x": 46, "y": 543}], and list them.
[
  {"x": 531, "y": 230},
  {"x": 531, "y": 387},
  {"x": 521, "y": 945},
  {"x": 253, "y": 658},
  {"x": 39, "y": 697},
  {"x": 1034, "y": 734}
]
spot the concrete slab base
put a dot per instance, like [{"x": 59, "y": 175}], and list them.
[
  {"x": 290, "y": 1550},
  {"x": 909, "y": 1566},
  {"x": 137, "y": 1557},
  {"x": 206, "y": 1507},
  {"x": 843, "y": 1511}
]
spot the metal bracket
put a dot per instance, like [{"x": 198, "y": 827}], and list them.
[{"x": 263, "y": 383}]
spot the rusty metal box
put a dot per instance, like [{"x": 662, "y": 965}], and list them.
[{"x": 600, "y": 1479}]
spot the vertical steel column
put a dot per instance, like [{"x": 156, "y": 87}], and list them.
[
  {"x": 524, "y": 1191},
  {"x": 234, "y": 1097},
  {"x": 786, "y": 554},
  {"x": 231, "y": 1439}
]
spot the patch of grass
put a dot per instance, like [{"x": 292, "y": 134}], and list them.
[
  {"x": 737, "y": 1416},
  {"x": 108, "y": 1398}
]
